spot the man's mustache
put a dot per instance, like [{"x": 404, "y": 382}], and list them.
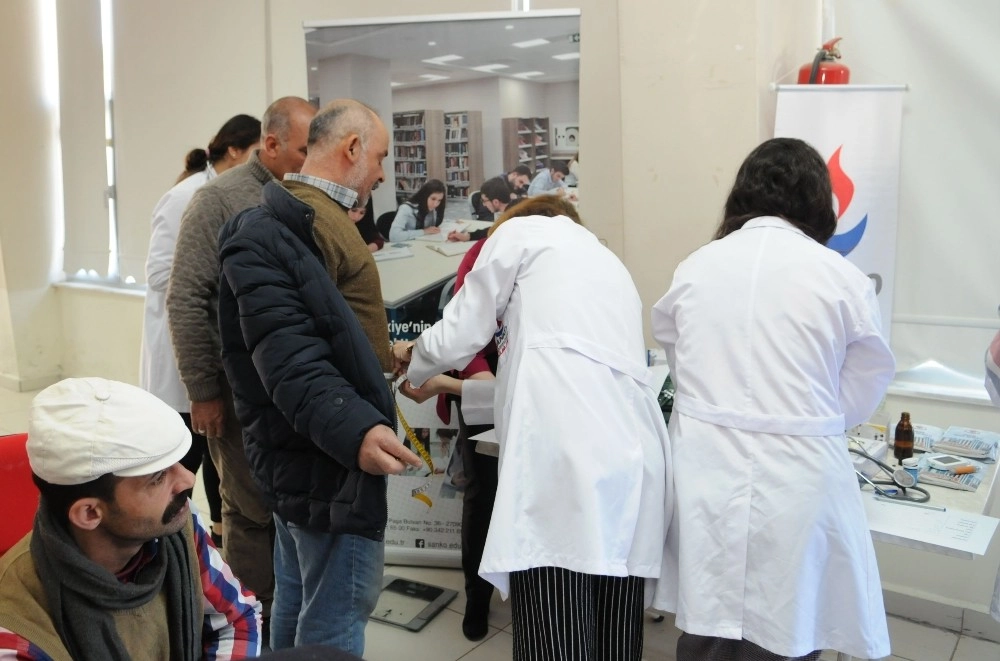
[{"x": 176, "y": 505}]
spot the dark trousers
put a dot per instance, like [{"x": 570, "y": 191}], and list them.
[
  {"x": 198, "y": 457},
  {"x": 477, "y": 509},
  {"x": 561, "y": 615},
  {"x": 706, "y": 648}
]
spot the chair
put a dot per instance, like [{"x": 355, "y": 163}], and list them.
[
  {"x": 475, "y": 201},
  {"x": 384, "y": 223},
  {"x": 447, "y": 293},
  {"x": 17, "y": 492}
]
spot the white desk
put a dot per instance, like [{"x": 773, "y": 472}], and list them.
[
  {"x": 960, "y": 531},
  {"x": 406, "y": 278}
]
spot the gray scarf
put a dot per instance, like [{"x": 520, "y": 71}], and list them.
[{"x": 82, "y": 595}]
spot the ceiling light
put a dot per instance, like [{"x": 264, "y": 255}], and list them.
[
  {"x": 490, "y": 67},
  {"x": 442, "y": 59},
  {"x": 314, "y": 68},
  {"x": 394, "y": 84},
  {"x": 431, "y": 76},
  {"x": 432, "y": 43},
  {"x": 567, "y": 56},
  {"x": 528, "y": 74},
  {"x": 530, "y": 43},
  {"x": 508, "y": 27}
]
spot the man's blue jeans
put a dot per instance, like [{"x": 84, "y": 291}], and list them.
[{"x": 325, "y": 587}]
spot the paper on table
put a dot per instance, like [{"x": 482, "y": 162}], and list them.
[
  {"x": 953, "y": 532},
  {"x": 452, "y": 248},
  {"x": 445, "y": 227},
  {"x": 389, "y": 251}
]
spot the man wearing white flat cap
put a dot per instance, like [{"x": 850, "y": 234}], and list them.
[{"x": 117, "y": 565}]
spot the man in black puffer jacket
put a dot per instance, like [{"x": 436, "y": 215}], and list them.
[{"x": 302, "y": 324}]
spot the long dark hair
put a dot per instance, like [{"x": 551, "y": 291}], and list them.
[
  {"x": 782, "y": 177},
  {"x": 419, "y": 199},
  {"x": 240, "y": 132}
]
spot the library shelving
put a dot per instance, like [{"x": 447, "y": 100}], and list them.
[
  {"x": 418, "y": 149},
  {"x": 526, "y": 141},
  {"x": 463, "y": 152}
]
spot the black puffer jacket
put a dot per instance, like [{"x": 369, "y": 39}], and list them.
[{"x": 306, "y": 383}]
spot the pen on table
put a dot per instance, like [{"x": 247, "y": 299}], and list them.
[{"x": 909, "y": 504}]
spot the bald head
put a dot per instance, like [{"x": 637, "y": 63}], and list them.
[
  {"x": 347, "y": 143},
  {"x": 284, "y": 135},
  {"x": 340, "y": 118}
]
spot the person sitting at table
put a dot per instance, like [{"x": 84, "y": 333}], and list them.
[
  {"x": 517, "y": 181},
  {"x": 364, "y": 219},
  {"x": 421, "y": 214},
  {"x": 495, "y": 196},
  {"x": 550, "y": 181}
]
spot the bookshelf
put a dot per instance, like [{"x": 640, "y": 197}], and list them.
[
  {"x": 463, "y": 152},
  {"x": 418, "y": 149},
  {"x": 526, "y": 141}
]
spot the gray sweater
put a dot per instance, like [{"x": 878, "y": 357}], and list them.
[{"x": 193, "y": 291}]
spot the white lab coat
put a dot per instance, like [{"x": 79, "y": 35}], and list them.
[
  {"x": 775, "y": 348},
  {"x": 584, "y": 480},
  {"x": 157, "y": 365},
  {"x": 992, "y": 361}
]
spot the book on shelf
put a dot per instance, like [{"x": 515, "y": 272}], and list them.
[
  {"x": 967, "y": 442},
  {"x": 452, "y": 248}
]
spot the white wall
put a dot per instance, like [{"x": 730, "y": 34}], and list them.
[
  {"x": 367, "y": 80},
  {"x": 30, "y": 222},
  {"x": 947, "y": 266}
]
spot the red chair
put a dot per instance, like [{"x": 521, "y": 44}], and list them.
[{"x": 18, "y": 494}]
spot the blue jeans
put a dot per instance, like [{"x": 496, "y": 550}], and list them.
[{"x": 325, "y": 587}]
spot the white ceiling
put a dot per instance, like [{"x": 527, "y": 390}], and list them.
[{"x": 478, "y": 42}]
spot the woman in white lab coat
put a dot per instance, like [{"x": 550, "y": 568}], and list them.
[
  {"x": 775, "y": 348},
  {"x": 584, "y": 489}
]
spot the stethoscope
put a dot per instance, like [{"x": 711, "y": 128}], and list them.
[{"x": 900, "y": 478}]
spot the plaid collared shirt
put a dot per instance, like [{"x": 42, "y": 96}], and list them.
[{"x": 342, "y": 195}]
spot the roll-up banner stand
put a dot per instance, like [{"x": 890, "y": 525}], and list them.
[{"x": 856, "y": 129}]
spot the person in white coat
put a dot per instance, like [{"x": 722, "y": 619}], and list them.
[
  {"x": 992, "y": 383},
  {"x": 775, "y": 347},
  {"x": 584, "y": 487},
  {"x": 158, "y": 374}
]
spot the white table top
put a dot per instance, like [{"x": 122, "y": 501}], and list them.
[
  {"x": 960, "y": 530},
  {"x": 406, "y": 278}
]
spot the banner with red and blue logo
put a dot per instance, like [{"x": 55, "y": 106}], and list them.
[{"x": 856, "y": 128}]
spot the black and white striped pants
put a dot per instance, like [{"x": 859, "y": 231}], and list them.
[{"x": 561, "y": 615}]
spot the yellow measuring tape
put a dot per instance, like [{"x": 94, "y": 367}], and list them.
[
  {"x": 417, "y": 445},
  {"x": 420, "y": 493}
]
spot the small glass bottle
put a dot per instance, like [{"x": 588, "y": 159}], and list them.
[{"x": 902, "y": 442}]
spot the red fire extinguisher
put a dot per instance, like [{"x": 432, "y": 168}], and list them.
[{"x": 824, "y": 69}]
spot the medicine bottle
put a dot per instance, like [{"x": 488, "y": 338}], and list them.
[{"x": 902, "y": 442}]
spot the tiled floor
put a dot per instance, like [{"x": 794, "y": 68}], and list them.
[{"x": 442, "y": 639}]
